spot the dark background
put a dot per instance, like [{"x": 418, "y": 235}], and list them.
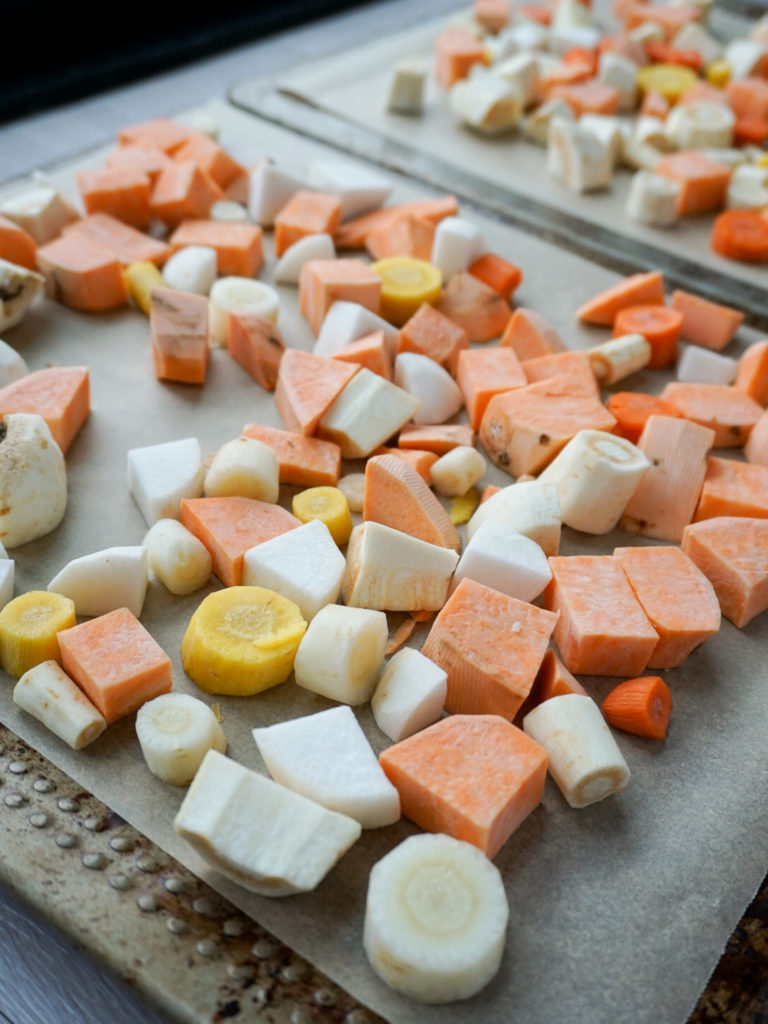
[{"x": 56, "y": 51}]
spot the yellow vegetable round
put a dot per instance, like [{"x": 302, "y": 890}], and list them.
[
  {"x": 671, "y": 80},
  {"x": 406, "y": 283},
  {"x": 242, "y": 640},
  {"x": 330, "y": 506},
  {"x": 719, "y": 73},
  {"x": 28, "y": 627}
]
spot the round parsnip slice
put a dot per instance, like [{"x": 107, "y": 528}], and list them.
[
  {"x": 180, "y": 561},
  {"x": 435, "y": 919},
  {"x": 244, "y": 467},
  {"x": 341, "y": 653},
  {"x": 175, "y": 732},
  {"x": 239, "y": 295}
]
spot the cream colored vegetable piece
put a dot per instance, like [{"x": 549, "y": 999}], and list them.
[
  {"x": 618, "y": 358},
  {"x": 48, "y": 694},
  {"x": 12, "y": 365},
  {"x": 653, "y": 199},
  {"x": 367, "y": 412},
  {"x": 244, "y": 467},
  {"x": 536, "y": 125},
  {"x": 435, "y": 919},
  {"x": 620, "y": 72},
  {"x": 180, "y": 561},
  {"x": 406, "y": 86},
  {"x": 175, "y": 732},
  {"x": 347, "y": 321},
  {"x": 693, "y": 125},
  {"x": 33, "y": 479},
  {"x": 327, "y": 758},
  {"x": 456, "y": 245},
  {"x": 529, "y": 507},
  {"x": 340, "y": 654},
  {"x": 577, "y": 157},
  {"x": 486, "y": 103},
  {"x": 701, "y": 366},
  {"x": 521, "y": 71},
  {"x": 7, "y": 572},
  {"x": 270, "y": 189},
  {"x": 239, "y": 295},
  {"x": 410, "y": 694},
  {"x": 18, "y": 287},
  {"x": 312, "y": 247},
  {"x": 160, "y": 475},
  {"x": 105, "y": 580},
  {"x": 260, "y": 834},
  {"x": 191, "y": 269},
  {"x": 584, "y": 759},
  {"x": 438, "y": 393},
  {"x": 458, "y": 470},
  {"x": 359, "y": 189},
  {"x": 352, "y": 486},
  {"x": 42, "y": 212},
  {"x": 499, "y": 557},
  {"x": 229, "y": 211}
]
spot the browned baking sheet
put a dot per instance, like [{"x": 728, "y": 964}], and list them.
[{"x": 618, "y": 912}]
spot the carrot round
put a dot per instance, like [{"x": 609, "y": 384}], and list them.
[
  {"x": 632, "y": 409},
  {"x": 659, "y": 325},
  {"x": 741, "y": 235},
  {"x": 641, "y": 706}
]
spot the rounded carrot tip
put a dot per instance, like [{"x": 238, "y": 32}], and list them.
[{"x": 640, "y": 706}]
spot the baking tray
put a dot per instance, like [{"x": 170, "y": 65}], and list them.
[
  {"x": 343, "y": 101},
  {"x": 618, "y": 912}
]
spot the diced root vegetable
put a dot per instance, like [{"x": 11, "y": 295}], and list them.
[
  {"x": 175, "y": 732},
  {"x": 181, "y": 562},
  {"x": 46, "y": 692}
]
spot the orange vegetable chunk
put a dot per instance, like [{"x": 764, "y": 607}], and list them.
[
  {"x": 530, "y": 335},
  {"x": 162, "y": 132},
  {"x": 430, "y": 333},
  {"x": 238, "y": 246},
  {"x": 554, "y": 679},
  {"x": 733, "y": 488},
  {"x": 370, "y": 351},
  {"x": 741, "y": 235},
  {"x": 307, "y": 385},
  {"x": 497, "y": 273},
  {"x": 178, "y": 324},
  {"x": 257, "y": 344},
  {"x": 659, "y": 325},
  {"x": 665, "y": 500},
  {"x": 421, "y": 461},
  {"x": 752, "y": 374},
  {"x": 354, "y": 233},
  {"x": 323, "y": 282},
  {"x": 732, "y": 552},
  {"x": 115, "y": 662},
  {"x": 406, "y": 235},
  {"x": 748, "y": 97},
  {"x": 60, "y": 394},
  {"x": 703, "y": 181},
  {"x": 124, "y": 242},
  {"x": 456, "y": 50},
  {"x": 397, "y": 496},
  {"x": 474, "y": 777},
  {"x": 491, "y": 647},
  {"x": 523, "y": 430},
  {"x": 150, "y": 160},
  {"x": 228, "y": 527},
  {"x": 183, "y": 191},
  {"x": 122, "y": 192},
  {"x": 756, "y": 448},
  {"x": 726, "y": 410},
  {"x": 705, "y": 323},
  {"x": 602, "y": 629},
  {"x": 16, "y": 246},
  {"x": 484, "y": 373},
  {"x": 632, "y": 409},
  {"x": 640, "y": 706},
  {"x": 304, "y": 461},
  {"x": 209, "y": 155},
  {"x": 476, "y": 308},
  {"x": 670, "y": 19},
  {"x": 575, "y": 365},
  {"x": 677, "y": 598},
  {"x": 440, "y": 438},
  {"x": 588, "y": 97},
  {"x": 493, "y": 15},
  {"x": 82, "y": 274},
  {"x": 635, "y": 290},
  {"x": 306, "y": 213}
]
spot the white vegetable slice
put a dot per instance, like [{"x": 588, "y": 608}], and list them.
[
  {"x": 457, "y": 243},
  {"x": 698, "y": 365},
  {"x": 530, "y": 507},
  {"x": 359, "y": 189},
  {"x": 568, "y": 13},
  {"x": 744, "y": 55},
  {"x": 229, "y": 211},
  {"x": 653, "y": 199},
  {"x": 304, "y": 565},
  {"x": 191, "y": 269},
  {"x": 246, "y": 468},
  {"x": 438, "y": 393},
  {"x": 392, "y": 571},
  {"x": 160, "y": 475},
  {"x": 584, "y": 759},
  {"x": 12, "y": 365},
  {"x": 522, "y": 72},
  {"x": 367, "y": 412},
  {"x": 619, "y": 71},
  {"x": 651, "y": 131},
  {"x": 352, "y": 486},
  {"x": 693, "y": 36},
  {"x": 270, "y": 190},
  {"x": 458, "y": 470},
  {"x": 340, "y": 654},
  {"x": 503, "y": 559},
  {"x": 347, "y": 321},
  {"x": 180, "y": 561},
  {"x": 486, "y": 102},
  {"x": 618, "y": 358},
  {"x": 406, "y": 86},
  {"x": 311, "y": 247},
  {"x": 105, "y": 580},
  {"x": 571, "y": 37},
  {"x": 327, "y": 758},
  {"x": 435, "y": 919},
  {"x": 239, "y": 295},
  {"x": 260, "y": 834},
  {"x": 43, "y": 212},
  {"x": 47, "y": 693},
  {"x": 536, "y": 126},
  {"x": 7, "y": 566},
  {"x": 691, "y": 125},
  {"x": 410, "y": 694},
  {"x": 578, "y": 157},
  {"x": 18, "y": 287},
  {"x": 33, "y": 479},
  {"x": 747, "y": 188},
  {"x": 609, "y": 130},
  {"x": 175, "y": 732},
  {"x": 596, "y": 474}
]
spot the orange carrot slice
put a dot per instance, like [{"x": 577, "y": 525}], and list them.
[
  {"x": 209, "y": 155},
  {"x": 641, "y": 706},
  {"x": 16, "y": 245},
  {"x": 323, "y": 282},
  {"x": 400, "y": 637},
  {"x": 421, "y": 461},
  {"x": 732, "y": 552},
  {"x": 179, "y": 327},
  {"x": 733, "y": 489},
  {"x": 430, "y": 333},
  {"x": 307, "y": 385},
  {"x": 238, "y": 246},
  {"x": 602, "y": 629},
  {"x": 304, "y": 461},
  {"x": 741, "y": 235},
  {"x": 306, "y": 213},
  {"x": 82, "y": 274},
  {"x": 228, "y": 527},
  {"x": 752, "y": 374},
  {"x": 632, "y": 409},
  {"x": 440, "y": 438},
  {"x": 124, "y": 242},
  {"x": 705, "y": 323},
  {"x": 491, "y": 647},
  {"x": 484, "y": 373},
  {"x": 474, "y": 777},
  {"x": 726, "y": 410},
  {"x": 530, "y": 335},
  {"x": 60, "y": 394},
  {"x": 122, "y": 192},
  {"x": 476, "y": 308},
  {"x": 397, "y": 496},
  {"x": 116, "y": 663},
  {"x": 501, "y": 275},
  {"x": 635, "y": 290},
  {"x": 256, "y": 343},
  {"x": 659, "y": 325},
  {"x": 748, "y": 97}
]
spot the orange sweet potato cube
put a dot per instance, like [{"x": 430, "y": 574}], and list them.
[
  {"x": 732, "y": 552},
  {"x": 115, "y": 662},
  {"x": 323, "y": 282},
  {"x": 179, "y": 327},
  {"x": 60, "y": 394},
  {"x": 82, "y": 274},
  {"x": 257, "y": 344},
  {"x": 124, "y": 242},
  {"x": 370, "y": 351},
  {"x": 238, "y": 246},
  {"x": 122, "y": 192},
  {"x": 733, "y": 488},
  {"x": 430, "y": 333},
  {"x": 456, "y": 51},
  {"x": 148, "y": 159},
  {"x": 306, "y": 213},
  {"x": 16, "y": 245},
  {"x": 183, "y": 191},
  {"x": 484, "y": 373},
  {"x": 474, "y": 306},
  {"x": 304, "y": 461},
  {"x": 491, "y": 647},
  {"x": 209, "y": 155},
  {"x": 703, "y": 181},
  {"x": 474, "y": 777},
  {"x": 162, "y": 132}
]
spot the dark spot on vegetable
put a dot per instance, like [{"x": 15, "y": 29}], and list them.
[
  {"x": 9, "y": 291},
  {"x": 544, "y": 438},
  {"x": 503, "y": 458},
  {"x": 736, "y": 431},
  {"x": 657, "y": 462},
  {"x": 3, "y": 430},
  {"x": 230, "y": 1009},
  {"x": 5, "y": 511}
]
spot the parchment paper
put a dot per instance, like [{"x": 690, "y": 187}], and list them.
[
  {"x": 618, "y": 912},
  {"x": 355, "y": 87}
]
